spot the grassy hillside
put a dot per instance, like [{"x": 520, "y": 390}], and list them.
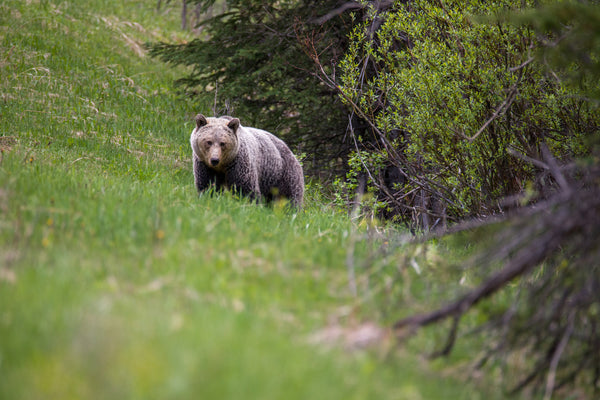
[{"x": 118, "y": 281}]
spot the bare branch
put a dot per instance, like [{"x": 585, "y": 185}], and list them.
[
  {"x": 555, "y": 170},
  {"x": 352, "y": 5},
  {"x": 522, "y": 263},
  {"x": 500, "y": 110},
  {"x": 550, "y": 165},
  {"x": 380, "y": 5},
  {"x": 549, "y": 232},
  {"x": 451, "y": 338},
  {"x": 556, "y": 356},
  {"x": 523, "y": 65},
  {"x": 537, "y": 163}
]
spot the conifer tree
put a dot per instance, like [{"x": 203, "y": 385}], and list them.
[{"x": 250, "y": 59}]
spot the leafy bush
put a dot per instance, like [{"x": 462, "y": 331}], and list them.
[
  {"x": 451, "y": 100},
  {"x": 543, "y": 260}
]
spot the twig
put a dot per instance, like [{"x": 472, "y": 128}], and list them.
[
  {"x": 502, "y": 108},
  {"x": 79, "y": 159},
  {"x": 352, "y": 5},
  {"x": 555, "y": 170},
  {"x": 550, "y": 165},
  {"x": 215, "y": 102},
  {"x": 85, "y": 158},
  {"x": 451, "y": 338},
  {"x": 556, "y": 356},
  {"x": 537, "y": 163},
  {"x": 523, "y": 65}
]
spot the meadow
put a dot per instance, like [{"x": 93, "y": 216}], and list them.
[{"x": 118, "y": 281}]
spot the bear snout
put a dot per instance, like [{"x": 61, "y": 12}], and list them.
[{"x": 214, "y": 156}]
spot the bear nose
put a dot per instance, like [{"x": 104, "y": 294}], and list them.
[{"x": 214, "y": 161}]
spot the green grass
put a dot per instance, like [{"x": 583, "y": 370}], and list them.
[{"x": 118, "y": 281}]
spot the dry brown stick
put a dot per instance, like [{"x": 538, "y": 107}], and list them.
[
  {"x": 556, "y": 356},
  {"x": 352, "y": 5},
  {"x": 519, "y": 155},
  {"x": 554, "y": 168}
]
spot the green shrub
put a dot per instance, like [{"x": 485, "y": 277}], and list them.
[{"x": 451, "y": 100}]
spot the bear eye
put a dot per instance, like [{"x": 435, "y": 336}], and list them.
[
  {"x": 209, "y": 143},
  {"x": 222, "y": 144}
]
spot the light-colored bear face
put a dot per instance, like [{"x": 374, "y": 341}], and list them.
[{"x": 215, "y": 141}]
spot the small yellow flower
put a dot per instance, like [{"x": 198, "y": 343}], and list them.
[
  {"x": 50, "y": 222},
  {"x": 160, "y": 234},
  {"x": 45, "y": 242}
]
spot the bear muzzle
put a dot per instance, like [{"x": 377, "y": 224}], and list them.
[{"x": 214, "y": 156}]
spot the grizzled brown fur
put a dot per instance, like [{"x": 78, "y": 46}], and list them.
[{"x": 249, "y": 160}]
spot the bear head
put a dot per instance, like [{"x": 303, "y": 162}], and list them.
[{"x": 215, "y": 141}]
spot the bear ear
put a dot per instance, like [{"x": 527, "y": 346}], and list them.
[
  {"x": 200, "y": 121},
  {"x": 234, "y": 124}
]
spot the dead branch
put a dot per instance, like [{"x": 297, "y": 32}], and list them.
[
  {"x": 548, "y": 234},
  {"x": 538, "y": 163},
  {"x": 522, "y": 264},
  {"x": 500, "y": 110},
  {"x": 556, "y": 356},
  {"x": 352, "y": 5},
  {"x": 380, "y": 5},
  {"x": 555, "y": 170}
]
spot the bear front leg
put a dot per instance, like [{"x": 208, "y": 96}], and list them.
[
  {"x": 201, "y": 175},
  {"x": 245, "y": 181},
  {"x": 248, "y": 190}
]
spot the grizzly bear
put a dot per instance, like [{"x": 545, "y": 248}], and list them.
[{"x": 249, "y": 160}]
